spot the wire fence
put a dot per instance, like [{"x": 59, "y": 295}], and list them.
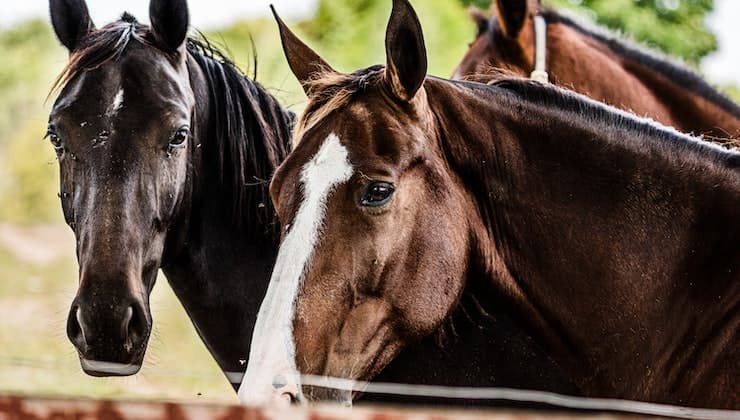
[
  {"x": 521, "y": 396},
  {"x": 541, "y": 398}
]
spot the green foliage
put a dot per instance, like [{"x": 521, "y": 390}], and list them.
[
  {"x": 733, "y": 91},
  {"x": 30, "y": 57},
  {"x": 676, "y": 27},
  {"x": 271, "y": 69},
  {"x": 351, "y": 34},
  {"x": 481, "y": 4},
  {"x": 30, "y": 178}
]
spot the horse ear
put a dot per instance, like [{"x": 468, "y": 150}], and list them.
[
  {"x": 305, "y": 64},
  {"x": 406, "y": 55},
  {"x": 71, "y": 21},
  {"x": 170, "y": 21},
  {"x": 480, "y": 18},
  {"x": 511, "y": 16}
]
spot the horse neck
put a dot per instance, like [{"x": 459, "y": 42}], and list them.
[
  {"x": 223, "y": 267},
  {"x": 615, "y": 78},
  {"x": 609, "y": 264}
]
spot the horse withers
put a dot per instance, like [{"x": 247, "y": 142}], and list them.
[
  {"x": 612, "y": 238},
  {"x": 597, "y": 64}
]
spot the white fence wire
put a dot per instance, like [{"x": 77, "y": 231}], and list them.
[
  {"x": 449, "y": 392},
  {"x": 521, "y": 396}
]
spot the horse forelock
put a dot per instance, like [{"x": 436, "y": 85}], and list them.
[
  {"x": 330, "y": 91},
  {"x": 101, "y": 46}
]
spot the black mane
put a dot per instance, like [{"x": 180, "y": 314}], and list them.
[
  {"x": 682, "y": 75},
  {"x": 249, "y": 132},
  {"x": 593, "y": 112}
]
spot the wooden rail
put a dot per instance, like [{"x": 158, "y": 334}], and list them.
[{"x": 35, "y": 408}]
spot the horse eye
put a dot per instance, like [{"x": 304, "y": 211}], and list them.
[
  {"x": 178, "y": 139},
  {"x": 55, "y": 140},
  {"x": 377, "y": 194}
]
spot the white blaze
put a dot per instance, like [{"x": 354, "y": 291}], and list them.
[
  {"x": 117, "y": 103},
  {"x": 272, "y": 351}
]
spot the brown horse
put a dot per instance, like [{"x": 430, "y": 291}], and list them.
[
  {"x": 612, "y": 238},
  {"x": 598, "y": 65}
]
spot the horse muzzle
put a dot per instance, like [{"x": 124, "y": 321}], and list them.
[{"x": 110, "y": 339}]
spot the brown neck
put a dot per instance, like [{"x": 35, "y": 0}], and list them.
[
  {"x": 627, "y": 83},
  {"x": 610, "y": 263}
]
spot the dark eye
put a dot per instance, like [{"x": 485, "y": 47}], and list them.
[
  {"x": 55, "y": 140},
  {"x": 178, "y": 139},
  {"x": 377, "y": 194}
]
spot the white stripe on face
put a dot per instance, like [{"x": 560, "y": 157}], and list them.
[
  {"x": 273, "y": 349},
  {"x": 117, "y": 103}
]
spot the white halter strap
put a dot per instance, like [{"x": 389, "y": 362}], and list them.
[{"x": 540, "y": 50}]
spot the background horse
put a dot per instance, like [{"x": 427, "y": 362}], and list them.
[
  {"x": 613, "y": 238},
  {"x": 165, "y": 152},
  {"x": 599, "y": 65}
]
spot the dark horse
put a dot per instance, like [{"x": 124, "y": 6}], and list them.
[
  {"x": 599, "y": 65},
  {"x": 613, "y": 239},
  {"x": 165, "y": 151}
]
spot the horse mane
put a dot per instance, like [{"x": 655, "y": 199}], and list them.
[
  {"x": 330, "y": 91},
  {"x": 250, "y": 131},
  {"x": 661, "y": 63},
  {"x": 592, "y": 113}
]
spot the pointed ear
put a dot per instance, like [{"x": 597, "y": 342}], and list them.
[
  {"x": 305, "y": 64},
  {"x": 406, "y": 54},
  {"x": 511, "y": 16},
  {"x": 170, "y": 21},
  {"x": 480, "y": 18},
  {"x": 71, "y": 21}
]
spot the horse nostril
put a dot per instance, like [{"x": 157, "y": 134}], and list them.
[
  {"x": 134, "y": 324},
  {"x": 287, "y": 392},
  {"x": 158, "y": 225},
  {"x": 75, "y": 331},
  {"x": 289, "y": 397},
  {"x": 127, "y": 321}
]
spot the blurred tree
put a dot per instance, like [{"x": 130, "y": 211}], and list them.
[
  {"x": 28, "y": 52},
  {"x": 31, "y": 179},
  {"x": 351, "y": 33},
  {"x": 733, "y": 91},
  {"x": 31, "y": 58},
  {"x": 676, "y": 27}
]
